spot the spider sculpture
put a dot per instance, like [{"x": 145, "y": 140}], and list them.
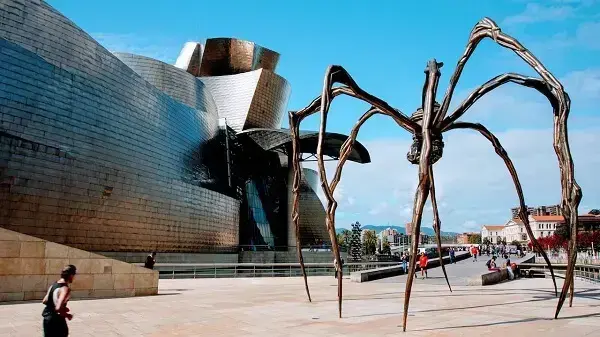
[{"x": 427, "y": 125}]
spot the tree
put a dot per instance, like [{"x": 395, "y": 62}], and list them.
[
  {"x": 354, "y": 245},
  {"x": 475, "y": 239},
  {"x": 516, "y": 244},
  {"x": 385, "y": 247},
  {"x": 343, "y": 239},
  {"x": 370, "y": 242},
  {"x": 563, "y": 231},
  {"x": 487, "y": 241}
]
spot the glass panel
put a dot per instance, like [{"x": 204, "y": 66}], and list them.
[{"x": 257, "y": 212}]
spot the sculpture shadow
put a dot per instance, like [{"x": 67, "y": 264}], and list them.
[{"x": 524, "y": 320}]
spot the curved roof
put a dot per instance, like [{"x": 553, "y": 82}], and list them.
[
  {"x": 230, "y": 56},
  {"x": 271, "y": 139}
]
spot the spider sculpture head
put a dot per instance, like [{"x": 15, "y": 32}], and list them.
[{"x": 437, "y": 143}]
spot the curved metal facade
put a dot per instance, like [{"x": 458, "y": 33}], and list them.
[
  {"x": 312, "y": 212},
  {"x": 274, "y": 139},
  {"x": 123, "y": 153},
  {"x": 228, "y": 56},
  {"x": 175, "y": 82},
  {"x": 94, "y": 156},
  {"x": 256, "y": 99}
]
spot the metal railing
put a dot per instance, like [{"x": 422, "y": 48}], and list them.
[
  {"x": 584, "y": 272},
  {"x": 223, "y": 270}
]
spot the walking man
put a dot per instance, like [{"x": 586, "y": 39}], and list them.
[
  {"x": 452, "y": 260},
  {"x": 403, "y": 259},
  {"x": 55, "y": 311},
  {"x": 474, "y": 253},
  {"x": 423, "y": 265}
]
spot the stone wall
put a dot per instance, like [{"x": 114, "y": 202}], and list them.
[
  {"x": 288, "y": 257},
  {"x": 28, "y": 266},
  {"x": 138, "y": 257}
]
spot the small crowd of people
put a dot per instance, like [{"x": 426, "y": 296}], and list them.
[{"x": 511, "y": 268}]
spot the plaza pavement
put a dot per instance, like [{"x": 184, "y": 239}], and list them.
[
  {"x": 458, "y": 273},
  {"x": 278, "y": 307}
]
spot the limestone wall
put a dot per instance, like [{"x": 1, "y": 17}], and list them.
[{"x": 29, "y": 265}]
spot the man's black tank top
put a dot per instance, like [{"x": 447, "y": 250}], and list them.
[{"x": 50, "y": 309}]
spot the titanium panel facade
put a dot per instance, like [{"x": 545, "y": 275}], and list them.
[
  {"x": 312, "y": 212},
  {"x": 190, "y": 57},
  {"x": 125, "y": 153},
  {"x": 91, "y": 154},
  {"x": 175, "y": 82},
  {"x": 255, "y": 99},
  {"x": 228, "y": 56},
  {"x": 277, "y": 139}
]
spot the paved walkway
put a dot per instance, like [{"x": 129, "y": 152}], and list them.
[
  {"x": 458, "y": 273},
  {"x": 278, "y": 307}
]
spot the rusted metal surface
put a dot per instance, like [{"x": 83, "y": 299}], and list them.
[{"x": 427, "y": 125}]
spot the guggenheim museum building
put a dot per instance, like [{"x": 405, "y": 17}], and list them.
[{"x": 114, "y": 152}]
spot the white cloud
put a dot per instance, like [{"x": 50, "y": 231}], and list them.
[
  {"x": 469, "y": 226},
  {"x": 538, "y": 13},
  {"x": 163, "y": 49},
  {"x": 584, "y": 85},
  {"x": 379, "y": 208}
]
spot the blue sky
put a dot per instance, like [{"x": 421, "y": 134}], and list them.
[{"x": 385, "y": 47}]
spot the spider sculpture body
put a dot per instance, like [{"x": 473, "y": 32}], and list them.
[{"x": 427, "y": 125}]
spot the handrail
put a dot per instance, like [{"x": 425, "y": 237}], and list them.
[
  {"x": 217, "y": 270},
  {"x": 559, "y": 265},
  {"x": 250, "y": 264},
  {"x": 586, "y": 272}
]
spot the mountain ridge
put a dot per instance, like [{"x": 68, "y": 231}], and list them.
[{"x": 400, "y": 229}]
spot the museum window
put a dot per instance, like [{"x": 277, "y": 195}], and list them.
[{"x": 257, "y": 213}]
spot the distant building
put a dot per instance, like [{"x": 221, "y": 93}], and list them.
[
  {"x": 544, "y": 225},
  {"x": 394, "y": 238},
  {"x": 538, "y": 211},
  {"x": 514, "y": 230},
  {"x": 494, "y": 233},
  {"x": 423, "y": 238},
  {"x": 464, "y": 238},
  {"x": 588, "y": 222}
]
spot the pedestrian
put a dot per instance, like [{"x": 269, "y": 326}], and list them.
[
  {"x": 423, "y": 264},
  {"x": 150, "y": 261},
  {"x": 335, "y": 267},
  {"x": 452, "y": 259},
  {"x": 491, "y": 264},
  {"x": 403, "y": 260},
  {"x": 56, "y": 313},
  {"x": 474, "y": 253},
  {"x": 508, "y": 267}
]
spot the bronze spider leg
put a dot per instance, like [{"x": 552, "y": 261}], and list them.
[
  {"x": 294, "y": 120},
  {"x": 294, "y": 125},
  {"x": 511, "y": 168},
  {"x": 337, "y": 74},
  {"x": 429, "y": 91},
  {"x": 571, "y": 192},
  {"x": 531, "y": 82},
  {"x": 334, "y": 74},
  {"x": 437, "y": 225}
]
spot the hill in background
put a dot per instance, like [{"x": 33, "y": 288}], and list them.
[{"x": 400, "y": 229}]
